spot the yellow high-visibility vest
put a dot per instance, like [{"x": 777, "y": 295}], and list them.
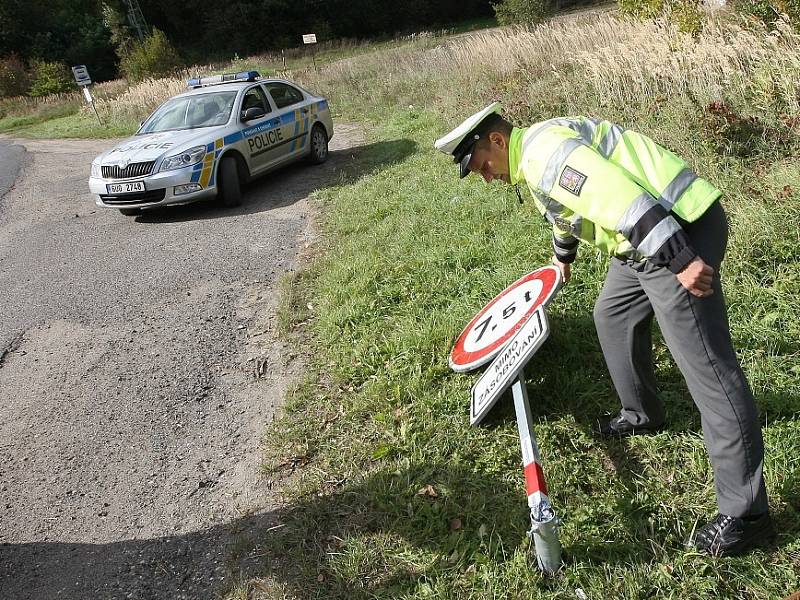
[{"x": 614, "y": 188}]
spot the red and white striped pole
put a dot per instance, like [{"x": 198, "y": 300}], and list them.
[{"x": 544, "y": 524}]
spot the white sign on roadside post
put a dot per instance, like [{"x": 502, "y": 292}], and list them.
[
  {"x": 311, "y": 38},
  {"x": 507, "y": 365},
  {"x": 82, "y": 78}
]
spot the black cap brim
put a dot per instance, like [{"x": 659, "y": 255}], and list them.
[{"x": 463, "y": 168}]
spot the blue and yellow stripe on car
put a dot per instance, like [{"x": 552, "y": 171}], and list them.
[{"x": 203, "y": 172}]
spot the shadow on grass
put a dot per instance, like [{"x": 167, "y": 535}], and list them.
[
  {"x": 296, "y": 546},
  {"x": 288, "y": 185}
]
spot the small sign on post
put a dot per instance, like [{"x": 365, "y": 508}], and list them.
[
  {"x": 81, "y": 74},
  {"x": 311, "y": 38},
  {"x": 82, "y": 78}
]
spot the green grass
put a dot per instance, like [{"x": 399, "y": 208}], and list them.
[
  {"x": 410, "y": 253},
  {"x": 77, "y": 125},
  {"x": 20, "y": 123}
]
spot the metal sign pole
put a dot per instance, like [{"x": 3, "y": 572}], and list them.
[{"x": 544, "y": 524}]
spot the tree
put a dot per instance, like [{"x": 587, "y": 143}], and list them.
[
  {"x": 524, "y": 12},
  {"x": 153, "y": 57}
]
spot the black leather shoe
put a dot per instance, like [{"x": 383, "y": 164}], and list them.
[
  {"x": 728, "y": 536},
  {"x": 619, "y": 426}
]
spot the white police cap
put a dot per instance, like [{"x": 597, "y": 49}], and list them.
[{"x": 460, "y": 141}]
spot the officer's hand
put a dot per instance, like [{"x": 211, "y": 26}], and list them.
[
  {"x": 697, "y": 277},
  {"x": 565, "y": 268}
]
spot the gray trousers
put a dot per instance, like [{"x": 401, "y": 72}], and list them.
[{"x": 697, "y": 334}]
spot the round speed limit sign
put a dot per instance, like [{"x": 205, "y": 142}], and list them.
[{"x": 499, "y": 320}]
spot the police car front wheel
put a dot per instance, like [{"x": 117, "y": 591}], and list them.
[
  {"x": 319, "y": 145},
  {"x": 230, "y": 192}
]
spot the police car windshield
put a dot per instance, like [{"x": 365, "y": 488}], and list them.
[{"x": 190, "y": 112}]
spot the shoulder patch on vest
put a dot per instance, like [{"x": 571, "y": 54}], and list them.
[{"x": 572, "y": 180}]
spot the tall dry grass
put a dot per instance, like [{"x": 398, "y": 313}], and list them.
[
  {"x": 620, "y": 60},
  {"x": 20, "y": 106},
  {"x": 138, "y": 101}
]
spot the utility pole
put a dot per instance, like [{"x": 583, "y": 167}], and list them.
[{"x": 136, "y": 18}]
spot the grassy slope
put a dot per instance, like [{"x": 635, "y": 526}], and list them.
[{"x": 411, "y": 254}]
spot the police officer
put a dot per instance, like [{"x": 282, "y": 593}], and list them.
[{"x": 666, "y": 233}]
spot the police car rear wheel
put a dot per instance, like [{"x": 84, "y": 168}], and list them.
[
  {"x": 129, "y": 212},
  {"x": 230, "y": 192},
  {"x": 319, "y": 145}
]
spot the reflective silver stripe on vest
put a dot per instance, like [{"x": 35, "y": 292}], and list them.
[
  {"x": 676, "y": 188},
  {"x": 658, "y": 235},
  {"x": 586, "y": 128},
  {"x": 610, "y": 140},
  {"x": 634, "y": 212},
  {"x": 557, "y": 161}
]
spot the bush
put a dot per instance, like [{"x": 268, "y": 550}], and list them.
[
  {"x": 13, "y": 78},
  {"x": 688, "y": 15},
  {"x": 49, "y": 78},
  {"x": 642, "y": 9},
  {"x": 525, "y": 12},
  {"x": 770, "y": 11},
  {"x": 154, "y": 57}
]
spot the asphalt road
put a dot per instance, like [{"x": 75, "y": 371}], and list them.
[
  {"x": 139, "y": 365},
  {"x": 10, "y": 160}
]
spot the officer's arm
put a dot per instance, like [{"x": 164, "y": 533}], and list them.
[{"x": 610, "y": 198}]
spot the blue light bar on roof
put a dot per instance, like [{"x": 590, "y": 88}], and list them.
[{"x": 224, "y": 78}]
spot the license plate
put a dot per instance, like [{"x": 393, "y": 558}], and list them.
[{"x": 125, "y": 188}]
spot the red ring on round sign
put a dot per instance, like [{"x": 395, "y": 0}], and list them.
[{"x": 462, "y": 360}]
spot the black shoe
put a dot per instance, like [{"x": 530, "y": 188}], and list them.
[
  {"x": 728, "y": 536},
  {"x": 619, "y": 426}
]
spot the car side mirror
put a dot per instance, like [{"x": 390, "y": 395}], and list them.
[{"x": 254, "y": 112}]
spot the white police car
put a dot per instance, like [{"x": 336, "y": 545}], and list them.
[{"x": 205, "y": 142}]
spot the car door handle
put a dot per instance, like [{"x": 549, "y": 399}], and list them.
[{"x": 275, "y": 122}]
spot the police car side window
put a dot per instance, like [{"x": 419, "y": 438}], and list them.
[
  {"x": 254, "y": 97},
  {"x": 284, "y": 95}
]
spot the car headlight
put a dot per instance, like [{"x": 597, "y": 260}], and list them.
[
  {"x": 96, "y": 171},
  {"x": 184, "y": 159}
]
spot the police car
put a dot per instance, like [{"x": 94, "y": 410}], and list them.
[{"x": 205, "y": 142}]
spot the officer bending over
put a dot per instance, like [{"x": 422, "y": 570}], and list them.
[{"x": 666, "y": 233}]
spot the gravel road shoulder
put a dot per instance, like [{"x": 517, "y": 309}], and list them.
[{"x": 139, "y": 364}]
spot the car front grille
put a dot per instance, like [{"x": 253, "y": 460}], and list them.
[
  {"x": 132, "y": 170},
  {"x": 138, "y": 197}
]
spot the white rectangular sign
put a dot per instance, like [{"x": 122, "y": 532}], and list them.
[
  {"x": 506, "y": 365},
  {"x": 87, "y": 94},
  {"x": 310, "y": 38},
  {"x": 81, "y": 74}
]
